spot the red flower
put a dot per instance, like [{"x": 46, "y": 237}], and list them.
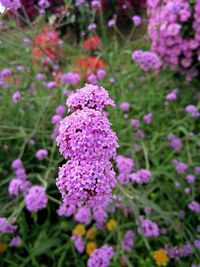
[
  {"x": 46, "y": 45},
  {"x": 88, "y": 65},
  {"x": 92, "y": 43}
]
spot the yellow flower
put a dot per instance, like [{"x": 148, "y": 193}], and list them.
[
  {"x": 90, "y": 247},
  {"x": 160, "y": 257},
  {"x": 111, "y": 225},
  {"x": 91, "y": 233},
  {"x": 79, "y": 230},
  {"x": 3, "y": 247}
]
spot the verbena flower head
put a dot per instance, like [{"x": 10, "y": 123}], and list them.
[
  {"x": 92, "y": 26},
  {"x": 16, "y": 96},
  {"x": 15, "y": 241},
  {"x": 148, "y": 118},
  {"x": 135, "y": 123},
  {"x": 143, "y": 176},
  {"x": 194, "y": 206},
  {"x": 5, "y": 73},
  {"x": 100, "y": 214},
  {"x": 147, "y": 60},
  {"x": 6, "y": 227},
  {"x": 56, "y": 118},
  {"x": 18, "y": 185},
  {"x": 125, "y": 166},
  {"x": 41, "y": 154},
  {"x": 101, "y": 257},
  {"x": 192, "y": 110},
  {"x": 92, "y": 79},
  {"x": 136, "y": 20},
  {"x": 60, "y": 110},
  {"x": 21, "y": 173},
  {"x": 124, "y": 106},
  {"x": 111, "y": 23},
  {"x": 70, "y": 78},
  {"x": 181, "y": 167},
  {"x": 86, "y": 183},
  {"x": 197, "y": 170},
  {"x": 36, "y": 199},
  {"x": 127, "y": 242},
  {"x": 101, "y": 74},
  {"x": 79, "y": 243},
  {"x": 149, "y": 227},
  {"x": 86, "y": 138},
  {"x": 91, "y": 96},
  {"x": 197, "y": 243},
  {"x": 172, "y": 95},
  {"x": 17, "y": 164},
  {"x": 13, "y": 4},
  {"x": 86, "y": 134},
  {"x": 178, "y": 252},
  {"x": 83, "y": 215},
  {"x": 44, "y": 4},
  {"x": 174, "y": 31},
  {"x": 190, "y": 178},
  {"x": 66, "y": 210},
  {"x": 175, "y": 143}
]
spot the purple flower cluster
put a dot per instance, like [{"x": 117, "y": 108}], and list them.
[
  {"x": 5, "y": 73},
  {"x": 15, "y": 241},
  {"x": 127, "y": 242},
  {"x": 197, "y": 243},
  {"x": 172, "y": 96},
  {"x": 101, "y": 257},
  {"x": 6, "y": 227},
  {"x": 78, "y": 243},
  {"x": 181, "y": 167},
  {"x": 125, "y": 166},
  {"x": 192, "y": 110},
  {"x": 87, "y": 139},
  {"x": 56, "y": 118},
  {"x": 86, "y": 134},
  {"x": 100, "y": 214},
  {"x": 82, "y": 181},
  {"x": 36, "y": 198},
  {"x": 19, "y": 183},
  {"x": 91, "y": 96},
  {"x": 41, "y": 154},
  {"x": 83, "y": 216},
  {"x": 143, "y": 176},
  {"x": 13, "y": 4},
  {"x": 174, "y": 29},
  {"x": 136, "y": 20},
  {"x": 16, "y": 96},
  {"x": 148, "y": 118},
  {"x": 149, "y": 228},
  {"x": 194, "y": 206},
  {"x": 43, "y": 4},
  {"x": 147, "y": 60},
  {"x": 175, "y": 142},
  {"x": 94, "y": 78},
  {"x": 178, "y": 252},
  {"x": 125, "y": 106},
  {"x": 72, "y": 78},
  {"x": 66, "y": 210}
]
